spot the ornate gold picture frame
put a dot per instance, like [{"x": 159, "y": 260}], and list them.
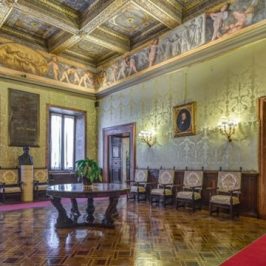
[{"x": 184, "y": 119}]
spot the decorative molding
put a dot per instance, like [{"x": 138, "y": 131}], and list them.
[{"x": 6, "y": 7}]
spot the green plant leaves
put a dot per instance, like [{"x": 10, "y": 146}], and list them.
[{"x": 89, "y": 169}]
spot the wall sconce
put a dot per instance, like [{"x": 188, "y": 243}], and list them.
[
  {"x": 147, "y": 137},
  {"x": 228, "y": 128}
]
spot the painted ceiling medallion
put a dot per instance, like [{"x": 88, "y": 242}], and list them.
[{"x": 131, "y": 21}]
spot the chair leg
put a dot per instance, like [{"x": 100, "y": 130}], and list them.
[
  {"x": 231, "y": 212},
  {"x": 210, "y": 209},
  {"x": 193, "y": 206}
]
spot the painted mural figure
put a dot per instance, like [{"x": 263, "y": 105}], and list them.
[
  {"x": 199, "y": 28},
  {"x": 86, "y": 80},
  {"x": 153, "y": 51},
  {"x": 167, "y": 49},
  {"x": 53, "y": 64},
  {"x": 143, "y": 57},
  {"x": 132, "y": 65},
  {"x": 68, "y": 73},
  {"x": 218, "y": 21},
  {"x": 176, "y": 45},
  {"x": 185, "y": 45},
  {"x": 123, "y": 69},
  {"x": 113, "y": 73},
  {"x": 243, "y": 18},
  {"x": 192, "y": 31}
]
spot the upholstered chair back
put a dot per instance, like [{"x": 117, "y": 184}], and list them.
[
  {"x": 229, "y": 181},
  {"x": 193, "y": 178},
  {"x": 9, "y": 176},
  {"x": 166, "y": 177},
  {"x": 41, "y": 175},
  {"x": 141, "y": 175}
]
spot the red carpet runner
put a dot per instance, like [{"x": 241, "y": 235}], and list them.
[{"x": 252, "y": 255}]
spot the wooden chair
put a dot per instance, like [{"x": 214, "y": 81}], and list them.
[
  {"x": 191, "y": 190},
  {"x": 165, "y": 187},
  {"x": 10, "y": 184},
  {"x": 138, "y": 187},
  {"x": 227, "y": 193},
  {"x": 40, "y": 182}
]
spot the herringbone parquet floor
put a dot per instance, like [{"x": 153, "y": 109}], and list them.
[{"x": 143, "y": 236}]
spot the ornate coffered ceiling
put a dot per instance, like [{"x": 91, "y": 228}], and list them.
[{"x": 92, "y": 31}]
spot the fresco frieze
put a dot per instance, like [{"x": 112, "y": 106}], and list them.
[
  {"x": 19, "y": 57},
  {"x": 229, "y": 18}
]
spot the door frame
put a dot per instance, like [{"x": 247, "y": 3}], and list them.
[
  {"x": 119, "y": 130},
  {"x": 262, "y": 159}
]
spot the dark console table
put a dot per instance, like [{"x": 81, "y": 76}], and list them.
[{"x": 74, "y": 191}]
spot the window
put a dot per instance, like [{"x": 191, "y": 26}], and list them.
[{"x": 67, "y": 139}]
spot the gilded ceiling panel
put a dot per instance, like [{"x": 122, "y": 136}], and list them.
[
  {"x": 17, "y": 20},
  {"x": 131, "y": 21},
  {"x": 78, "y": 5},
  {"x": 89, "y": 49}
]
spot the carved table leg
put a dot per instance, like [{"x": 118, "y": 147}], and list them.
[
  {"x": 110, "y": 212},
  {"x": 75, "y": 209},
  {"x": 62, "y": 220},
  {"x": 90, "y": 210}
]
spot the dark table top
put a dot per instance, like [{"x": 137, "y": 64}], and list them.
[{"x": 79, "y": 191}]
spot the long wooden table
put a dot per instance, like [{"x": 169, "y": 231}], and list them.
[{"x": 74, "y": 191}]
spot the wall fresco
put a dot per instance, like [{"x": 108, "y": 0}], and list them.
[
  {"x": 21, "y": 58},
  {"x": 229, "y": 18}
]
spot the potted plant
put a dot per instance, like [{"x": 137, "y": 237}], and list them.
[{"x": 88, "y": 170}]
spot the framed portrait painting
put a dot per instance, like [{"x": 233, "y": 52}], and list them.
[{"x": 184, "y": 119}]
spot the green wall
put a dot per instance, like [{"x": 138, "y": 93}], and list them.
[
  {"x": 227, "y": 86},
  {"x": 8, "y": 157}
]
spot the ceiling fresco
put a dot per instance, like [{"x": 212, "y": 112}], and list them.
[
  {"x": 78, "y": 5},
  {"x": 27, "y": 24},
  {"x": 90, "y": 49}
]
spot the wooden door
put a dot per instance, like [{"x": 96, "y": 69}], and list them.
[{"x": 115, "y": 157}]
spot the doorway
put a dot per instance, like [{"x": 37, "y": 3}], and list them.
[
  {"x": 119, "y": 158},
  {"x": 119, "y": 153}
]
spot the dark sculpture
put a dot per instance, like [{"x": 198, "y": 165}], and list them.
[{"x": 25, "y": 158}]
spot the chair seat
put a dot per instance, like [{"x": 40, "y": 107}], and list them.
[
  {"x": 160, "y": 192},
  {"x": 224, "y": 199},
  {"x": 42, "y": 187},
  {"x": 188, "y": 195},
  {"x": 11, "y": 190},
  {"x": 135, "y": 189}
]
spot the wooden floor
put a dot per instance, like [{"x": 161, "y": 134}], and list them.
[{"x": 143, "y": 236}]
